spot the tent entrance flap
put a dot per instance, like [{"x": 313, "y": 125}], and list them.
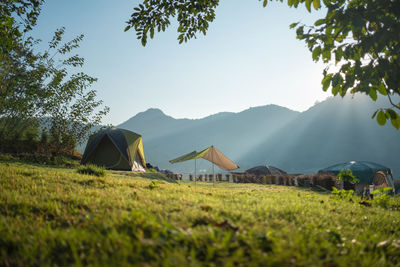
[{"x": 211, "y": 154}]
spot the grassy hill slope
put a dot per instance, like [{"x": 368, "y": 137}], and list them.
[{"x": 55, "y": 216}]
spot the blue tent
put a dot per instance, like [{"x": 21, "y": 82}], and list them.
[{"x": 362, "y": 170}]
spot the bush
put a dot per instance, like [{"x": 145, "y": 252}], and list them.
[{"x": 92, "y": 170}]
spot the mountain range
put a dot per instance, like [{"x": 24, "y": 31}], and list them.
[{"x": 333, "y": 131}]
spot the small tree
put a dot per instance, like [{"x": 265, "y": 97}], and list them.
[
  {"x": 40, "y": 85},
  {"x": 346, "y": 175}
]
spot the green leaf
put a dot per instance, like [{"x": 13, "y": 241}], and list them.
[
  {"x": 382, "y": 89},
  {"x": 335, "y": 89},
  {"x": 317, "y": 4},
  {"x": 316, "y": 53},
  {"x": 381, "y": 118},
  {"x": 326, "y": 54},
  {"x": 336, "y": 79},
  {"x": 319, "y": 22},
  {"x": 300, "y": 30},
  {"x": 265, "y": 3},
  {"x": 372, "y": 94},
  {"x": 151, "y": 32},
  {"x": 308, "y": 5},
  {"x": 373, "y": 115},
  {"x": 391, "y": 113},
  {"x": 396, "y": 122},
  {"x": 338, "y": 54},
  {"x": 326, "y": 82},
  {"x": 144, "y": 41},
  {"x": 293, "y": 25}
]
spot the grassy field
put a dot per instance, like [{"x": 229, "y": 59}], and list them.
[{"x": 55, "y": 216}]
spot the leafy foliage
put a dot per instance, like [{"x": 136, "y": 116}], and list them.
[
  {"x": 16, "y": 18},
  {"x": 193, "y": 17},
  {"x": 382, "y": 197},
  {"x": 39, "y": 89},
  {"x": 361, "y": 37},
  {"x": 70, "y": 105},
  {"x": 342, "y": 194},
  {"x": 346, "y": 175}
]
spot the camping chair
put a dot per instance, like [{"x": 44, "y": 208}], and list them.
[{"x": 190, "y": 177}]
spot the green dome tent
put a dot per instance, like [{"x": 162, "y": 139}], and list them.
[
  {"x": 265, "y": 170},
  {"x": 362, "y": 170},
  {"x": 116, "y": 149}
]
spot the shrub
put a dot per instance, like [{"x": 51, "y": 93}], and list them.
[
  {"x": 92, "y": 170},
  {"x": 342, "y": 194},
  {"x": 382, "y": 197}
]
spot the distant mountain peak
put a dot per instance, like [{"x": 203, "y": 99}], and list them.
[
  {"x": 155, "y": 111},
  {"x": 150, "y": 113},
  {"x": 268, "y": 107}
]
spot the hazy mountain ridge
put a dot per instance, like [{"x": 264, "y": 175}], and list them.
[
  {"x": 333, "y": 131},
  {"x": 330, "y": 132}
]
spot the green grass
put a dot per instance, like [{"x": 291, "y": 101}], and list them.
[
  {"x": 92, "y": 170},
  {"x": 55, "y": 216}
]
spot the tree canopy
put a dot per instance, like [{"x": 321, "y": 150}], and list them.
[
  {"x": 43, "y": 87},
  {"x": 360, "y": 37}
]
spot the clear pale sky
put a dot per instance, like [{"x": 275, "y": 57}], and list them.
[{"x": 248, "y": 58}]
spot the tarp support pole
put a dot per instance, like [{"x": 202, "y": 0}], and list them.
[
  {"x": 213, "y": 174},
  {"x": 195, "y": 175},
  {"x": 212, "y": 158}
]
